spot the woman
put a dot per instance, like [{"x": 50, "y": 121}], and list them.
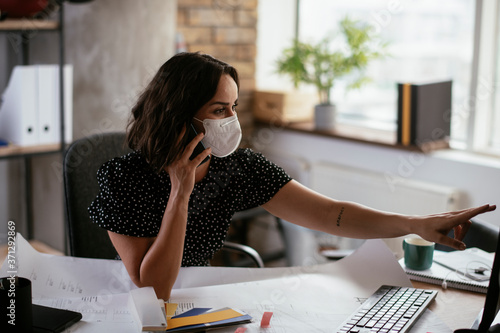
[{"x": 164, "y": 210}]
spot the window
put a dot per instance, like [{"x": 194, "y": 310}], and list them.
[
  {"x": 485, "y": 90},
  {"x": 495, "y": 144},
  {"x": 428, "y": 41}
]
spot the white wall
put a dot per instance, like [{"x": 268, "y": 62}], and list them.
[
  {"x": 115, "y": 47},
  {"x": 276, "y": 26},
  {"x": 477, "y": 176}
]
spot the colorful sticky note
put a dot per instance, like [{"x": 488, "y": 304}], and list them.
[
  {"x": 170, "y": 309},
  {"x": 266, "y": 319},
  {"x": 240, "y": 330}
]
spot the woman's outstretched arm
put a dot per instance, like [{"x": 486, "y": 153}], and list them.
[{"x": 300, "y": 205}]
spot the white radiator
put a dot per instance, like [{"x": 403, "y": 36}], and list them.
[
  {"x": 376, "y": 190},
  {"x": 384, "y": 192}
]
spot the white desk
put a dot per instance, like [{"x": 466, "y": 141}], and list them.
[
  {"x": 456, "y": 308},
  {"x": 303, "y": 299}
]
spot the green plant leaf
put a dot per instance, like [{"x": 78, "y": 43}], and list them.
[{"x": 319, "y": 65}]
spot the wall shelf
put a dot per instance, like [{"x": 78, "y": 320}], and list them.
[
  {"x": 13, "y": 151},
  {"x": 24, "y": 29},
  {"x": 20, "y": 25}
]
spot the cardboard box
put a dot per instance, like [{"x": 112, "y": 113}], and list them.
[{"x": 283, "y": 107}]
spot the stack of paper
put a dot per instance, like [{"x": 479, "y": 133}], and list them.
[
  {"x": 148, "y": 314},
  {"x": 199, "y": 319},
  {"x": 146, "y": 310}
]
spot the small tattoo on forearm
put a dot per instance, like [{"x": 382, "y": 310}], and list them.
[{"x": 340, "y": 216}]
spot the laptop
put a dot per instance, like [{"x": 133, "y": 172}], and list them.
[{"x": 492, "y": 301}]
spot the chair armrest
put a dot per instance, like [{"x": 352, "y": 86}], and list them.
[{"x": 245, "y": 249}]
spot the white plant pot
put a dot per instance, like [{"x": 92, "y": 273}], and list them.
[{"x": 324, "y": 117}]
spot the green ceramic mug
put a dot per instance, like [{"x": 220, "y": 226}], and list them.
[{"x": 418, "y": 253}]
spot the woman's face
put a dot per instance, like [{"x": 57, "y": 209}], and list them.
[{"x": 222, "y": 105}]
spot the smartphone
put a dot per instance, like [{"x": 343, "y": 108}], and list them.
[{"x": 200, "y": 147}]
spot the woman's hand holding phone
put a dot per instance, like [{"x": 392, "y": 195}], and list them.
[
  {"x": 198, "y": 153},
  {"x": 199, "y": 148},
  {"x": 183, "y": 170}
]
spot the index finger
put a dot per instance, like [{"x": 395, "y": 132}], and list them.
[{"x": 480, "y": 210}]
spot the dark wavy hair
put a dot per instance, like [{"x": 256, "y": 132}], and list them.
[{"x": 182, "y": 85}]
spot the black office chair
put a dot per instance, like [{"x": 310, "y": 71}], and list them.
[
  {"x": 481, "y": 234},
  {"x": 81, "y": 161}
]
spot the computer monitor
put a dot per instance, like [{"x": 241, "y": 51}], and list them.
[{"x": 492, "y": 302}]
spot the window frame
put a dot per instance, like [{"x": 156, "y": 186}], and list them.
[{"x": 482, "y": 98}]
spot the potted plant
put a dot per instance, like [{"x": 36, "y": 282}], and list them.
[{"x": 320, "y": 64}]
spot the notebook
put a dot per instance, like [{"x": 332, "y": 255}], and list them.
[
  {"x": 467, "y": 270},
  {"x": 473, "y": 264}
]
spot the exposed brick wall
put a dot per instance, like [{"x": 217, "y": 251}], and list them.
[{"x": 226, "y": 29}]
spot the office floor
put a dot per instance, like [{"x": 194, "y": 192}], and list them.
[
  {"x": 262, "y": 234},
  {"x": 265, "y": 237},
  {"x": 268, "y": 238}
]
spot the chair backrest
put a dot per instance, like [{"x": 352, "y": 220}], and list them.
[{"x": 81, "y": 161}]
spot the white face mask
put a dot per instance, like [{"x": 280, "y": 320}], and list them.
[{"x": 222, "y": 135}]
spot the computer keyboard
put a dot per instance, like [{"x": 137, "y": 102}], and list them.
[{"x": 389, "y": 309}]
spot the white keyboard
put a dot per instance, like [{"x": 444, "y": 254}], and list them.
[{"x": 389, "y": 310}]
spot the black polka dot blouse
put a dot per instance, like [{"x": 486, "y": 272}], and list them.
[{"x": 133, "y": 198}]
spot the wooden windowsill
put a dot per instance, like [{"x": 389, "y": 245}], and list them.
[{"x": 356, "y": 134}]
